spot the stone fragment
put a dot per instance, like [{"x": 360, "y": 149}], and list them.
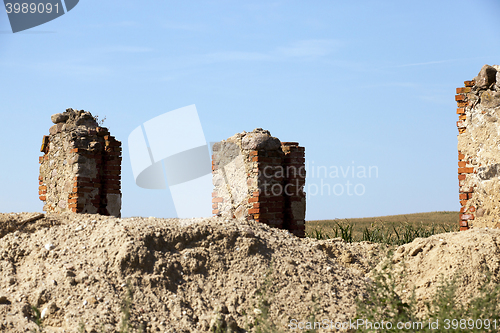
[
  {"x": 486, "y": 77},
  {"x": 490, "y": 99},
  {"x": 59, "y": 118},
  {"x": 260, "y": 139}
]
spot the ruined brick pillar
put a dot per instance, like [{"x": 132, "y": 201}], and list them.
[
  {"x": 80, "y": 170},
  {"x": 294, "y": 182},
  {"x": 257, "y": 177},
  {"x": 479, "y": 149}
]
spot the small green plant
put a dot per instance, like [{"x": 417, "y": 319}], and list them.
[
  {"x": 318, "y": 234},
  {"x": 263, "y": 323},
  {"x": 381, "y": 303},
  {"x": 126, "y": 326},
  {"x": 37, "y": 319}
]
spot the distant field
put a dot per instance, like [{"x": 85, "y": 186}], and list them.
[{"x": 440, "y": 220}]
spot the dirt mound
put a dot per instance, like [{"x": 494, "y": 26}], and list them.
[
  {"x": 470, "y": 255},
  {"x": 185, "y": 274}
]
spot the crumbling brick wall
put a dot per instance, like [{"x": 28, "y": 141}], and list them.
[
  {"x": 260, "y": 178},
  {"x": 81, "y": 165},
  {"x": 479, "y": 149}
]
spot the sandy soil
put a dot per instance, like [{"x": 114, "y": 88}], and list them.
[{"x": 190, "y": 274}]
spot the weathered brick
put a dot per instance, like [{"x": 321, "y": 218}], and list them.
[{"x": 463, "y": 90}]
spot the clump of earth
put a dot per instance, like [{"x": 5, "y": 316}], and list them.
[{"x": 191, "y": 275}]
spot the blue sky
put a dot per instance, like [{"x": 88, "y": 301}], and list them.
[{"x": 360, "y": 83}]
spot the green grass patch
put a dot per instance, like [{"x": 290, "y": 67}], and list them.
[{"x": 393, "y": 230}]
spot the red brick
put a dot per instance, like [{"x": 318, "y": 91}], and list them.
[
  {"x": 217, "y": 200},
  {"x": 469, "y": 83},
  {"x": 463, "y": 202},
  {"x": 461, "y": 111},
  {"x": 472, "y": 209},
  {"x": 215, "y": 205},
  {"x": 254, "y": 199},
  {"x": 256, "y": 205},
  {"x": 464, "y": 228},
  {"x": 254, "y": 211},
  {"x": 112, "y": 172},
  {"x": 82, "y": 179},
  {"x": 467, "y": 217},
  {"x": 460, "y": 97},
  {"x": 215, "y": 211},
  {"x": 112, "y": 167},
  {"x": 43, "y": 198},
  {"x": 463, "y": 90},
  {"x": 463, "y": 196},
  {"x": 214, "y": 194},
  {"x": 465, "y": 170},
  {"x": 462, "y": 164},
  {"x": 460, "y": 124},
  {"x": 461, "y": 177},
  {"x": 256, "y": 194},
  {"x": 462, "y": 104},
  {"x": 109, "y": 182},
  {"x": 42, "y": 192},
  {"x": 72, "y": 200},
  {"x": 461, "y": 156}
]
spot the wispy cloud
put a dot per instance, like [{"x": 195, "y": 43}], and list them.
[
  {"x": 183, "y": 26},
  {"x": 437, "y": 99},
  {"x": 237, "y": 55},
  {"x": 391, "y": 84},
  {"x": 427, "y": 63},
  {"x": 309, "y": 48},
  {"x": 312, "y": 48},
  {"x": 123, "y": 49}
]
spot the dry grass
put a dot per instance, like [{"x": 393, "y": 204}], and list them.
[{"x": 440, "y": 220}]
